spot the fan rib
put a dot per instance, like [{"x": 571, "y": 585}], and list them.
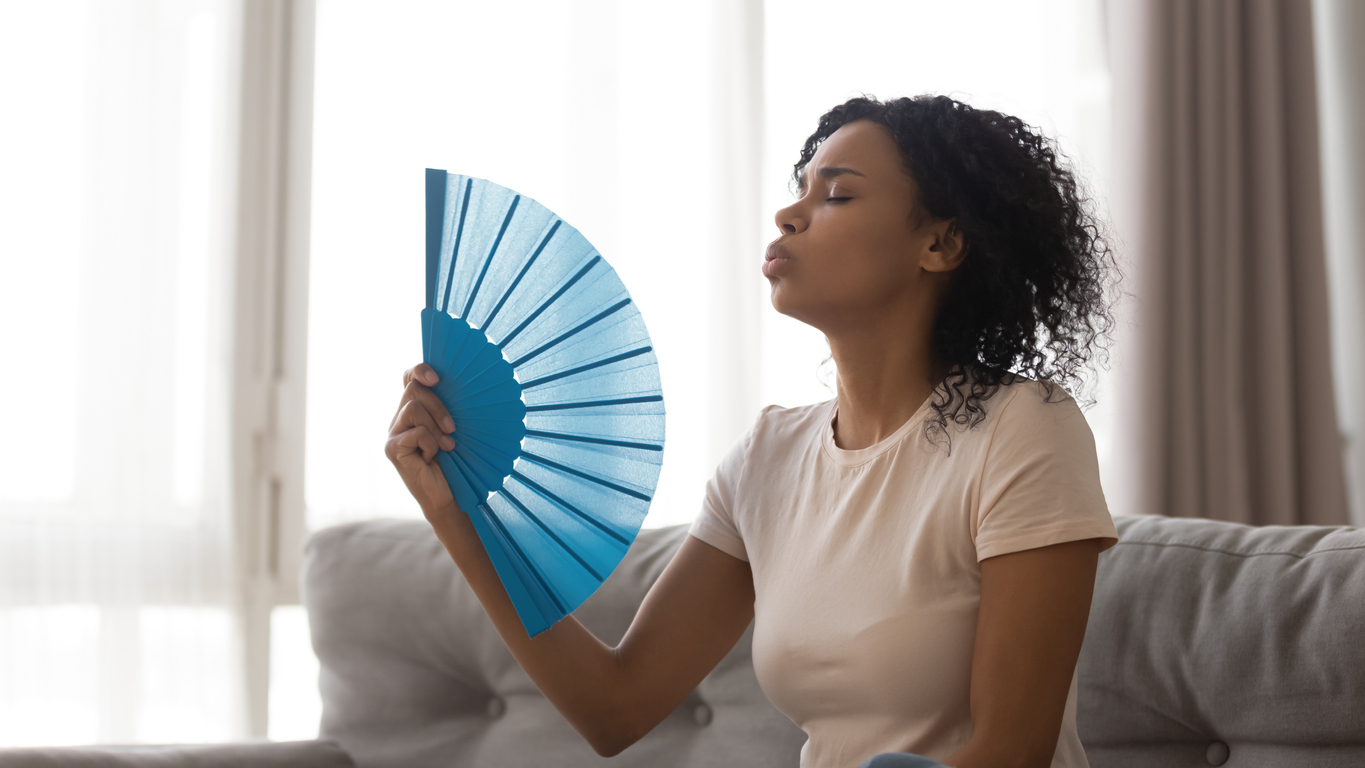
[
  {"x": 598, "y": 440},
  {"x": 536, "y": 519},
  {"x": 489, "y": 477},
  {"x": 543, "y": 491},
  {"x": 591, "y": 403},
  {"x": 428, "y": 335},
  {"x": 498, "y": 374},
  {"x": 571, "y": 332},
  {"x": 467, "y": 375},
  {"x": 475, "y": 397},
  {"x": 526, "y": 561},
  {"x": 541, "y": 460},
  {"x": 510, "y": 573},
  {"x": 588, "y": 367},
  {"x": 531, "y": 318},
  {"x": 448, "y": 357},
  {"x": 471, "y": 477},
  {"x": 455, "y": 251},
  {"x": 468, "y": 439},
  {"x": 508, "y": 293},
  {"x": 437, "y": 182},
  {"x": 488, "y": 260}
]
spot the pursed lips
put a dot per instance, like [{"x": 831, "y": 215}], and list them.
[
  {"x": 776, "y": 261},
  {"x": 776, "y": 251}
]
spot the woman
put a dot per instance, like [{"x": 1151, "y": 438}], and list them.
[{"x": 918, "y": 553}]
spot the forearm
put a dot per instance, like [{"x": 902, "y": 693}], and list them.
[{"x": 580, "y": 675}]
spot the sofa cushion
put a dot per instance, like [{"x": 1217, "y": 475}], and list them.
[
  {"x": 413, "y": 672},
  {"x": 1209, "y": 643},
  {"x": 1215, "y": 643}
]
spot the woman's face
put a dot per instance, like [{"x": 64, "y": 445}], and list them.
[{"x": 849, "y": 248}]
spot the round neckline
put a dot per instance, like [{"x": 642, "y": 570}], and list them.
[{"x": 849, "y": 458}]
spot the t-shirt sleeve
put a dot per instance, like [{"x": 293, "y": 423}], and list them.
[
  {"x": 716, "y": 524},
  {"x": 1040, "y": 479}
]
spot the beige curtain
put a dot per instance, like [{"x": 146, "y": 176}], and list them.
[{"x": 1226, "y": 393}]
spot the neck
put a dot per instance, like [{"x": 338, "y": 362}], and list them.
[{"x": 886, "y": 372}]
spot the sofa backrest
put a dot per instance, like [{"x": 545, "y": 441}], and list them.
[
  {"x": 1209, "y": 643},
  {"x": 1212, "y": 643},
  {"x": 413, "y": 672}
]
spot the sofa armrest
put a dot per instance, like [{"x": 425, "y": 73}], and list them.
[{"x": 285, "y": 754}]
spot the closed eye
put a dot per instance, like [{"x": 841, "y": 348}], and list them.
[{"x": 828, "y": 199}]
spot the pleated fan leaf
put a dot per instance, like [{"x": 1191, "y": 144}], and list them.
[{"x": 549, "y": 373}]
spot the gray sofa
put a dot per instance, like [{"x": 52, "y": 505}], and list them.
[{"x": 1209, "y": 644}]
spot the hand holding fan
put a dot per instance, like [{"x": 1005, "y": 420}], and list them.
[{"x": 547, "y": 369}]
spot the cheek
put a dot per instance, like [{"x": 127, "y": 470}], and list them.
[
  {"x": 838, "y": 282},
  {"x": 866, "y": 274}
]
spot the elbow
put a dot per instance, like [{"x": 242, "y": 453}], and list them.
[
  {"x": 611, "y": 744},
  {"x": 609, "y": 749},
  {"x": 619, "y": 732},
  {"x": 622, "y": 717}
]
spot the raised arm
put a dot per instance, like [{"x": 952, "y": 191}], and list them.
[{"x": 691, "y": 617}]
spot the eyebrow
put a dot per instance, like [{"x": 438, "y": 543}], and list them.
[{"x": 827, "y": 173}]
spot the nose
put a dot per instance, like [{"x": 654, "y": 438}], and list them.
[{"x": 789, "y": 220}]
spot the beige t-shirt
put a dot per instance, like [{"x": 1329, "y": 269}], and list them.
[{"x": 866, "y": 563}]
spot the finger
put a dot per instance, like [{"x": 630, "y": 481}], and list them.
[
  {"x": 417, "y": 440},
  {"x": 423, "y": 373},
  {"x": 432, "y": 401},
  {"x": 417, "y": 391},
  {"x": 415, "y": 414}
]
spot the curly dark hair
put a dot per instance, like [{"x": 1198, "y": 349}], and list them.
[{"x": 1032, "y": 296}]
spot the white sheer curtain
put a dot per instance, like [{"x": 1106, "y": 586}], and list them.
[
  {"x": 614, "y": 115},
  {"x": 116, "y": 199}
]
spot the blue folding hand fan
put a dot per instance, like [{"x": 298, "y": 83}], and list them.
[{"x": 549, "y": 374}]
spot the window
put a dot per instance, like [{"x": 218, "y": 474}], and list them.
[{"x": 116, "y": 227}]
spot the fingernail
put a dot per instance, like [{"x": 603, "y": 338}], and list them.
[
  {"x": 447, "y": 442},
  {"x": 448, "y": 423},
  {"x": 431, "y": 377}
]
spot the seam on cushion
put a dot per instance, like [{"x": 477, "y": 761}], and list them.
[
  {"x": 1172, "y": 718},
  {"x": 1237, "y": 554},
  {"x": 387, "y": 537},
  {"x": 383, "y": 537},
  {"x": 358, "y": 535}
]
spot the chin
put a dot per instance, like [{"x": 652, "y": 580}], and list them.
[
  {"x": 779, "y": 295},
  {"x": 790, "y": 303}
]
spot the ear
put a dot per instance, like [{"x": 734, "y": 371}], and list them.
[{"x": 948, "y": 248}]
